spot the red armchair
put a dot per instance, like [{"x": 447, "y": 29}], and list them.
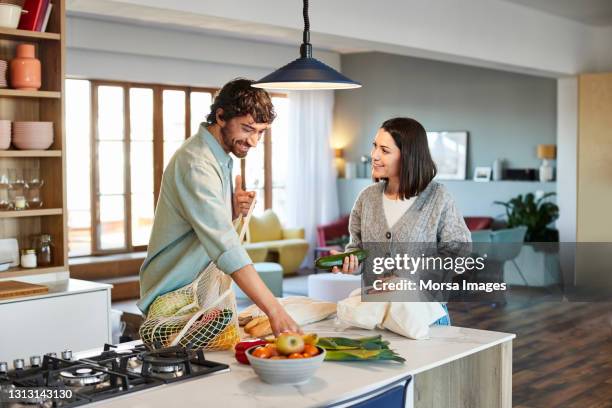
[
  {"x": 328, "y": 233},
  {"x": 478, "y": 223}
]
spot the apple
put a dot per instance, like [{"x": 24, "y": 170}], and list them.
[{"x": 288, "y": 343}]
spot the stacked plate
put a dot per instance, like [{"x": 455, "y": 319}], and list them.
[
  {"x": 32, "y": 135},
  {"x": 3, "y": 67},
  {"x": 5, "y": 134}
]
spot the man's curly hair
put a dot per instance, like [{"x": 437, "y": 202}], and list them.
[{"x": 239, "y": 98}]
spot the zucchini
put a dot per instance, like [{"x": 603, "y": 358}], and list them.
[{"x": 328, "y": 262}]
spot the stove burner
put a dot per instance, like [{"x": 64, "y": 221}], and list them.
[
  {"x": 83, "y": 376},
  {"x": 111, "y": 373}
]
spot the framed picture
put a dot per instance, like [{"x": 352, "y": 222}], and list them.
[
  {"x": 482, "y": 174},
  {"x": 449, "y": 152}
]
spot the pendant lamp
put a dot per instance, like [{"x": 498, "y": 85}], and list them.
[{"x": 306, "y": 72}]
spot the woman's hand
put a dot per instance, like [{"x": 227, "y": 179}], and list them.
[
  {"x": 281, "y": 322},
  {"x": 349, "y": 266}
]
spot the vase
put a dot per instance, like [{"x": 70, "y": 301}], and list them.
[{"x": 25, "y": 69}]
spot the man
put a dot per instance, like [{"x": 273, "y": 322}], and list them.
[{"x": 193, "y": 219}]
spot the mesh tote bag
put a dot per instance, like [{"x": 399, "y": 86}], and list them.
[{"x": 201, "y": 315}]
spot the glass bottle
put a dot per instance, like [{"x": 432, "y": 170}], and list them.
[{"x": 45, "y": 250}]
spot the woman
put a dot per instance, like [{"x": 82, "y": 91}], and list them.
[{"x": 404, "y": 205}]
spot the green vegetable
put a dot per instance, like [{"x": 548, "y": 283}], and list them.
[
  {"x": 361, "y": 349},
  {"x": 362, "y": 355},
  {"x": 328, "y": 262}
]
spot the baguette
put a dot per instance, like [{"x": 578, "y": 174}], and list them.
[
  {"x": 243, "y": 320},
  {"x": 263, "y": 328},
  {"x": 254, "y": 322}
]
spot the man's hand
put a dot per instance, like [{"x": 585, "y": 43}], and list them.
[
  {"x": 281, "y": 322},
  {"x": 242, "y": 199}
]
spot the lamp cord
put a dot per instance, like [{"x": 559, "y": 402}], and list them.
[{"x": 306, "y": 48}]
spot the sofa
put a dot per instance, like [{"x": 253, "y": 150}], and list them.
[{"x": 268, "y": 241}]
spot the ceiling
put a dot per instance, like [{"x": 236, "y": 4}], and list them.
[{"x": 592, "y": 12}]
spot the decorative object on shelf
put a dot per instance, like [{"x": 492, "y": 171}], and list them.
[
  {"x": 32, "y": 135},
  {"x": 28, "y": 258},
  {"x": 520, "y": 174},
  {"x": 449, "y": 152},
  {"x": 534, "y": 213},
  {"x": 306, "y": 72},
  {"x": 9, "y": 249},
  {"x": 46, "y": 250},
  {"x": 10, "y": 15},
  {"x": 5, "y": 134},
  {"x": 365, "y": 161},
  {"x": 37, "y": 11},
  {"x": 498, "y": 169},
  {"x": 350, "y": 170},
  {"x": 3, "y": 69},
  {"x": 482, "y": 174},
  {"x": 547, "y": 152},
  {"x": 33, "y": 184},
  {"x": 5, "y": 202},
  {"x": 25, "y": 69},
  {"x": 20, "y": 203}
]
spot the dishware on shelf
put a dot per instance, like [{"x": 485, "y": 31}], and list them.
[
  {"x": 9, "y": 249},
  {"x": 5, "y": 134},
  {"x": 10, "y": 15},
  {"x": 25, "y": 69},
  {"x": 33, "y": 184},
  {"x": 29, "y": 135},
  {"x": 5, "y": 203},
  {"x": 3, "y": 70},
  {"x": 28, "y": 258}
]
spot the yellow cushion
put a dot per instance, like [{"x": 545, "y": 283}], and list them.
[{"x": 266, "y": 227}]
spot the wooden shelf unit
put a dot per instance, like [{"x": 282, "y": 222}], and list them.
[
  {"x": 30, "y": 153},
  {"x": 46, "y": 104}
]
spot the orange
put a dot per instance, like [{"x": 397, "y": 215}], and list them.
[
  {"x": 272, "y": 349},
  {"x": 261, "y": 352},
  {"x": 310, "y": 350},
  {"x": 278, "y": 358},
  {"x": 296, "y": 355}
]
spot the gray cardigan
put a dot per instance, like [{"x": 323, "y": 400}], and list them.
[{"x": 433, "y": 217}]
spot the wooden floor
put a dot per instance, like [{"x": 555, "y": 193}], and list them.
[{"x": 562, "y": 355}]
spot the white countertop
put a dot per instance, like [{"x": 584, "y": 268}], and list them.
[
  {"x": 333, "y": 382},
  {"x": 61, "y": 288}
]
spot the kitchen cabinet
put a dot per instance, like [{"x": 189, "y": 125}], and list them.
[{"x": 73, "y": 315}]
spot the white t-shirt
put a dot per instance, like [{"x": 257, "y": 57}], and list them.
[{"x": 394, "y": 209}]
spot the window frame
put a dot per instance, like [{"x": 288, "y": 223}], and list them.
[{"x": 158, "y": 154}]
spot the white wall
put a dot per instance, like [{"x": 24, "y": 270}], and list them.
[
  {"x": 122, "y": 51},
  {"x": 490, "y": 33}
]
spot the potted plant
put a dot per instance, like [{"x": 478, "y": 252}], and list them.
[{"x": 535, "y": 214}]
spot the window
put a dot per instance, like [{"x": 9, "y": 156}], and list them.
[{"x": 120, "y": 137}]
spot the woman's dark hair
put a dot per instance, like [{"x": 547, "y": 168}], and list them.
[
  {"x": 417, "y": 168},
  {"x": 239, "y": 98}
]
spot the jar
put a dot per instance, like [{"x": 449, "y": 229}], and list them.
[
  {"x": 28, "y": 258},
  {"x": 45, "y": 250},
  {"x": 25, "y": 69},
  {"x": 20, "y": 203}
]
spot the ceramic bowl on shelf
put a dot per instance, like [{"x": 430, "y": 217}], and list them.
[
  {"x": 10, "y": 15},
  {"x": 32, "y": 135},
  {"x": 5, "y": 134},
  {"x": 3, "y": 70}
]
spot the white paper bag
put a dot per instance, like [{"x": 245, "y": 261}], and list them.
[{"x": 412, "y": 319}]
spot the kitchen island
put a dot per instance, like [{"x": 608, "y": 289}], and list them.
[{"x": 456, "y": 367}]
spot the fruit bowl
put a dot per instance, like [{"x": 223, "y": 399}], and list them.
[{"x": 288, "y": 371}]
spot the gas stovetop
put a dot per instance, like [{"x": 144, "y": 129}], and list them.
[{"x": 66, "y": 382}]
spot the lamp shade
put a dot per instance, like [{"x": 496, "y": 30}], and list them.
[
  {"x": 338, "y": 153},
  {"x": 547, "y": 151},
  {"x": 306, "y": 73}
]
